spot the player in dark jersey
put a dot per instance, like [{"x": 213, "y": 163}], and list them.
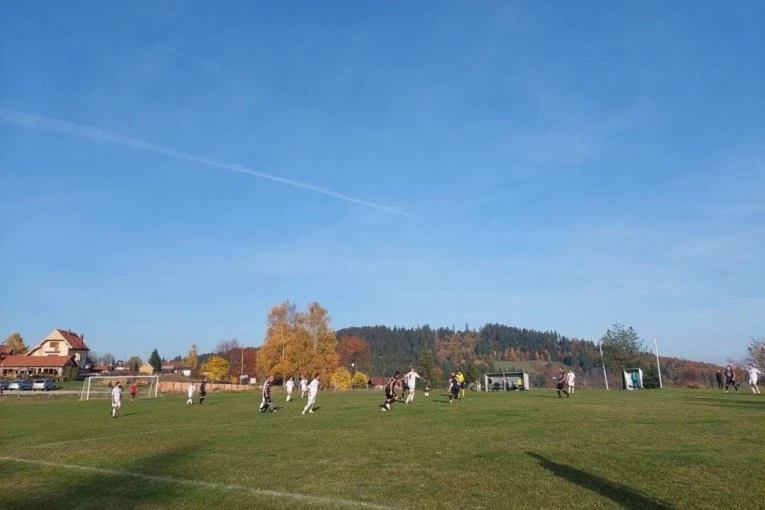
[
  {"x": 561, "y": 383},
  {"x": 390, "y": 391},
  {"x": 730, "y": 379},
  {"x": 454, "y": 388},
  {"x": 265, "y": 404},
  {"x": 202, "y": 391}
]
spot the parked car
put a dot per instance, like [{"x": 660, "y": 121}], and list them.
[
  {"x": 4, "y": 384},
  {"x": 20, "y": 384},
  {"x": 44, "y": 385}
]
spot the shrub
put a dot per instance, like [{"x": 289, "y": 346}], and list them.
[
  {"x": 340, "y": 379},
  {"x": 360, "y": 380}
]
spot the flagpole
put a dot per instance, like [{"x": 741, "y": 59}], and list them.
[
  {"x": 600, "y": 346},
  {"x": 658, "y": 367}
]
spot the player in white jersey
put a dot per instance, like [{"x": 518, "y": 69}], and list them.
[
  {"x": 116, "y": 398},
  {"x": 303, "y": 386},
  {"x": 190, "y": 391},
  {"x": 570, "y": 378},
  {"x": 289, "y": 385},
  {"x": 411, "y": 381},
  {"x": 313, "y": 390},
  {"x": 754, "y": 375}
]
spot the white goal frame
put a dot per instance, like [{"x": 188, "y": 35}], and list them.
[{"x": 89, "y": 391}]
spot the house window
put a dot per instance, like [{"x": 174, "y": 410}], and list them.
[{"x": 53, "y": 346}]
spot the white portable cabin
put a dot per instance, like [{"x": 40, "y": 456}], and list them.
[
  {"x": 632, "y": 379},
  {"x": 506, "y": 381}
]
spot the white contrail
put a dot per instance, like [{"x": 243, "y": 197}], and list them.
[
  {"x": 600, "y": 62},
  {"x": 69, "y": 128}
]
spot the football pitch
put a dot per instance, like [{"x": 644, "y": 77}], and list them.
[{"x": 617, "y": 449}]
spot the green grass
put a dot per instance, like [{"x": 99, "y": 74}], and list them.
[{"x": 652, "y": 449}]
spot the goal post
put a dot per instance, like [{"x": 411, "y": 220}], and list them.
[{"x": 100, "y": 386}]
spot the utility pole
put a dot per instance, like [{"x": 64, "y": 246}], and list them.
[
  {"x": 658, "y": 367},
  {"x": 600, "y": 346}
]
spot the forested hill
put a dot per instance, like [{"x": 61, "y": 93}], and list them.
[{"x": 397, "y": 348}]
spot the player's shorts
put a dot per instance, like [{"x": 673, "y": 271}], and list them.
[
  {"x": 116, "y": 403},
  {"x": 561, "y": 386},
  {"x": 455, "y": 390},
  {"x": 390, "y": 396}
]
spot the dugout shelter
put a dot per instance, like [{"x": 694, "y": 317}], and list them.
[
  {"x": 632, "y": 379},
  {"x": 506, "y": 381}
]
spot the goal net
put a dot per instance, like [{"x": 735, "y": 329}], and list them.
[{"x": 100, "y": 386}]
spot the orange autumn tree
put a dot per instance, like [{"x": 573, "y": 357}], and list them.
[
  {"x": 354, "y": 349},
  {"x": 298, "y": 343}
]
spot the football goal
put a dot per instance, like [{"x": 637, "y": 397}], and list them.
[{"x": 100, "y": 386}]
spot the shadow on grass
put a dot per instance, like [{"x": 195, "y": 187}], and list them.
[
  {"x": 82, "y": 488},
  {"x": 756, "y": 402},
  {"x": 624, "y": 496}
]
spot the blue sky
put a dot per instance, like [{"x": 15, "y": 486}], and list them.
[{"x": 550, "y": 165}]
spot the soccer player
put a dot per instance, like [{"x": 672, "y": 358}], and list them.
[
  {"x": 303, "y": 386},
  {"x": 133, "y": 390},
  {"x": 570, "y": 378},
  {"x": 461, "y": 379},
  {"x": 190, "y": 393},
  {"x": 313, "y": 390},
  {"x": 753, "y": 376},
  {"x": 427, "y": 388},
  {"x": 289, "y": 385},
  {"x": 411, "y": 382},
  {"x": 390, "y": 391},
  {"x": 265, "y": 403},
  {"x": 116, "y": 398},
  {"x": 719, "y": 380},
  {"x": 454, "y": 388},
  {"x": 730, "y": 379},
  {"x": 561, "y": 383},
  {"x": 202, "y": 391}
]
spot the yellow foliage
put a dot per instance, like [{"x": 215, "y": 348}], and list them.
[
  {"x": 298, "y": 343},
  {"x": 360, "y": 380},
  {"x": 216, "y": 368},
  {"x": 340, "y": 379}
]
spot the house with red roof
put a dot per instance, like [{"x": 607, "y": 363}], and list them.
[
  {"x": 23, "y": 365},
  {"x": 62, "y": 343},
  {"x": 60, "y": 350}
]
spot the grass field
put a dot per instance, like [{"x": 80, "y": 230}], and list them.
[{"x": 651, "y": 449}]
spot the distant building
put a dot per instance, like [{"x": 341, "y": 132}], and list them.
[
  {"x": 146, "y": 369},
  {"x": 172, "y": 367},
  {"x": 5, "y": 351},
  {"x": 22, "y": 365},
  {"x": 63, "y": 342}
]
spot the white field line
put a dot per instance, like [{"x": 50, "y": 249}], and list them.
[{"x": 305, "y": 498}]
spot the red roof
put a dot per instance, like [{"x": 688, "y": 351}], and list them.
[
  {"x": 35, "y": 361},
  {"x": 74, "y": 340}
]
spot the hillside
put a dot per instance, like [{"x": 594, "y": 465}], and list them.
[{"x": 495, "y": 347}]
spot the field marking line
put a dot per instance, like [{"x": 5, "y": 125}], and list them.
[{"x": 322, "y": 500}]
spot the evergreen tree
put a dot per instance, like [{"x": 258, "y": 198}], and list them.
[
  {"x": 427, "y": 366},
  {"x": 155, "y": 361}
]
